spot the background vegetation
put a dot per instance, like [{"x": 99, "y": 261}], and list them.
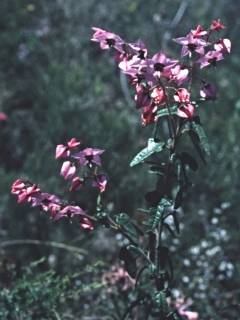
[{"x": 55, "y": 84}]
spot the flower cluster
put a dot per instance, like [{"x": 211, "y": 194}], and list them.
[
  {"x": 75, "y": 159},
  {"x": 28, "y": 192},
  {"x": 85, "y": 162},
  {"x": 158, "y": 80}
]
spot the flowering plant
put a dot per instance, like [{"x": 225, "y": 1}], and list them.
[{"x": 166, "y": 91}]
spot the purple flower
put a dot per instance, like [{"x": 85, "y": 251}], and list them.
[
  {"x": 107, "y": 39},
  {"x": 68, "y": 211},
  {"x": 100, "y": 182},
  {"x": 210, "y": 58},
  {"x": 161, "y": 65},
  {"x": 208, "y": 92},
  {"x": 191, "y": 44},
  {"x": 89, "y": 156}
]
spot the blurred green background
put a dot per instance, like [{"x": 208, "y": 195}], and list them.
[{"x": 55, "y": 84}]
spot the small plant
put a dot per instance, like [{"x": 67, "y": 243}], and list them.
[{"x": 169, "y": 94}]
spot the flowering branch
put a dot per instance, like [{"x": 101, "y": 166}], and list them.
[{"x": 168, "y": 90}]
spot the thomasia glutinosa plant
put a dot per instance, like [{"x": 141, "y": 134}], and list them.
[{"x": 169, "y": 94}]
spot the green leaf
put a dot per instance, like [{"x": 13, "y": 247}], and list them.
[
  {"x": 151, "y": 148},
  {"x": 158, "y": 212},
  {"x": 125, "y": 222},
  {"x": 198, "y": 129},
  {"x": 160, "y": 302},
  {"x": 165, "y": 112}
]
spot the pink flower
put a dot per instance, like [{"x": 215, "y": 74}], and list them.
[
  {"x": 161, "y": 64},
  {"x": 17, "y": 186},
  {"x": 198, "y": 32},
  {"x": 182, "y": 95},
  {"x": 191, "y": 44},
  {"x": 100, "y": 181},
  {"x": 223, "y": 46},
  {"x": 217, "y": 25},
  {"x": 186, "y": 111},
  {"x": 107, "y": 39},
  {"x": 182, "y": 305},
  {"x": 190, "y": 315},
  {"x": 73, "y": 143},
  {"x": 158, "y": 95},
  {"x": 89, "y": 156},
  {"x": 63, "y": 151},
  {"x": 69, "y": 212},
  {"x": 76, "y": 184},
  {"x": 68, "y": 170},
  {"x": 179, "y": 74},
  {"x": 210, "y": 58}
]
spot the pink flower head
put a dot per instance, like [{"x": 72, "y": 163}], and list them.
[
  {"x": 100, "y": 182},
  {"x": 86, "y": 223},
  {"x": 210, "y": 58},
  {"x": 68, "y": 170},
  {"x": 223, "y": 46},
  {"x": 161, "y": 64},
  {"x": 139, "y": 49},
  {"x": 69, "y": 212},
  {"x": 208, "y": 92},
  {"x": 158, "y": 95},
  {"x": 217, "y": 25},
  {"x": 73, "y": 143},
  {"x": 17, "y": 186},
  {"x": 76, "y": 184},
  {"x": 186, "y": 111},
  {"x": 191, "y": 44},
  {"x": 179, "y": 74},
  {"x": 3, "y": 116},
  {"x": 63, "y": 151},
  {"x": 198, "y": 32},
  {"x": 107, "y": 39},
  {"x": 89, "y": 156},
  {"x": 182, "y": 95}
]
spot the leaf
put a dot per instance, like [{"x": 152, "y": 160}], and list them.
[
  {"x": 198, "y": 129},
  {"x": 161, "y": 304},
  {"x": 196, "y": 142},
  {"x": 157, "y": 213},
  {"x": 125, "y": 222},
  {"x": 151, "y": 148},
  {"x": 165, "y": 112},
  {"x": 189, "y": 160}
]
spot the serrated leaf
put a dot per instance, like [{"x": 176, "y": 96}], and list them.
[
  {"x": 202, "y": 137},
  {"x": 151, "y": 148},
  {"x": 165, "y": 112}
]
